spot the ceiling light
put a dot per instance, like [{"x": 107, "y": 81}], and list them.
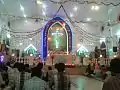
[
  {"x": 71, "y": 15},
  {"x": 83, "y": 24},
  {"x": 24, "y": 15},
  {"x": 39, "y": 2},
  {"x": 75, "y": 8},
  {"x": 21, "y": 8},
  {"x": 95, "y": 7},
  {"x": 88, "y": 19},
  {"x": 44, "y": 6}
]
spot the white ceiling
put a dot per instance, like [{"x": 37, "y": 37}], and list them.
[{"x": 31, "y": 9}]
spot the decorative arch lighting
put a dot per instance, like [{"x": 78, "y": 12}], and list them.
[
  {"x": 29, "y": 47},
  {"x": 82, "y": 49},
  {"x": 61, "y": 22}
]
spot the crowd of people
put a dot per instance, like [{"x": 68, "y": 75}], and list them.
[
  {"x": 97, "y": 70},
  {"x": 111, "y": 74},
  {"x": 19, "y": 76},
  {"x": 24, "y": 77}
]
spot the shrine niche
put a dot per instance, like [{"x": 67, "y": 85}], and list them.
[{"x": 56, "y": 37}]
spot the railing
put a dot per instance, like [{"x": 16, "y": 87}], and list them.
[
  {"x": 103, "y": 61},
  {"x": 21, "y": 60},
  {"x": 29, "y": 60}
]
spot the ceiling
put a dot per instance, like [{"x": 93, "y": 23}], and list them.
[{"x": 32, "y": 9}]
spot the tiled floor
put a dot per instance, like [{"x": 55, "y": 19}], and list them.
[{"x": 89, "y": 84}]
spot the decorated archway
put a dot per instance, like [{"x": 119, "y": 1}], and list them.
[{"x": 45, "y": 35}]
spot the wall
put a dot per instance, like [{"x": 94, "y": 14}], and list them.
[{"x": 31, "y": 25}]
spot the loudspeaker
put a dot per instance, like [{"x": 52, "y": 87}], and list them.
[
  {"x": 114, "y": 49},
  {"x": 17, "y": 52},
  {"x": 9, "y": 24}
]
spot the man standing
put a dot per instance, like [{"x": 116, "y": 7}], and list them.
[
  {"x": 113, "y": 83},
  {"x": 35, "y": 83},
  {"x": 60, "y": 80}
]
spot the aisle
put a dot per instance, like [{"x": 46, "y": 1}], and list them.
[{"x": 90, "y": 84}]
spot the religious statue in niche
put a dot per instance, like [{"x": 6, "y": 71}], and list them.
[
  {"x": 97, "y": 52},
  {"x": 103, "y": 49}
]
